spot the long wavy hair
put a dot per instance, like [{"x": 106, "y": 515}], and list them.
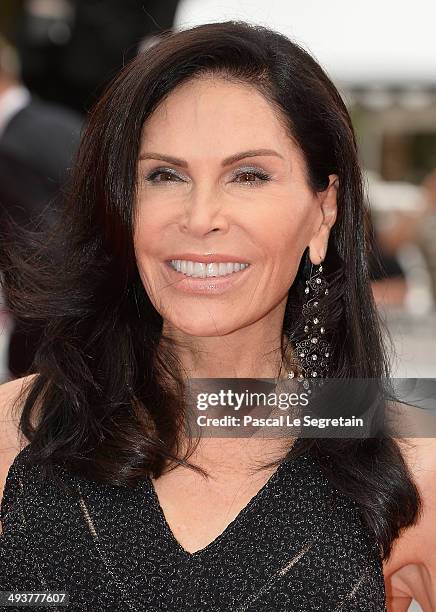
[{"x": 107, "y": 397}]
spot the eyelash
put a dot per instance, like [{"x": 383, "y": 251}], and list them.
[{"x": 263, "y": 176}]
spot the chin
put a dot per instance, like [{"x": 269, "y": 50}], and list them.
[{"x": 202, "y": 327}]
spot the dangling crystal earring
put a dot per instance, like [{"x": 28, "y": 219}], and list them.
[{"x": 314, "y": 350}]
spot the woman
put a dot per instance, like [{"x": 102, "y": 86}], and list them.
[{"x": 225, "y": 143}]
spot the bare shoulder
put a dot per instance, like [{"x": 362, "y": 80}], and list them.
[
  {"x": 417, "y": 444},
  {"x": 411, "y": 569},
  {"x": 12, "y": 396}
]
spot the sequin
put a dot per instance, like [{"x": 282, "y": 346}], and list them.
[{"x": 298, "y": 545}]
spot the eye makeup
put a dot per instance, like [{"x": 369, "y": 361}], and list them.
[{"x": 261, "y": 175}]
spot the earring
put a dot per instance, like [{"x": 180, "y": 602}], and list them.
[{"x": 313, "y": 351}]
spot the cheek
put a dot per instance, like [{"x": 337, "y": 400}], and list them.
[
  {"x": 146, "y": 244},
  {"x": 284, "y": 234},
  {"x": 148, "y": 228}
]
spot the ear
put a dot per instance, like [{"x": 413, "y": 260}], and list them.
[{"x": 328, "y": 203}]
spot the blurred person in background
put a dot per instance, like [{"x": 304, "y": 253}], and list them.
[
  {"x": 387, "y": 276},
  {"x": 418, "y": 228},
  {"x": 388, "y": 280},
  {"x": 37, "y": 144},
  {"x": 71, "y": 48}
]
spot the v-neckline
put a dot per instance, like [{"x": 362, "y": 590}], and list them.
[{"x": 228, "y": 529}]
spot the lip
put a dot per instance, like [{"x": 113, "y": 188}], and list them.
[
  {"x": 213, "y": 285},
  {"x": 208, "y": 258}
]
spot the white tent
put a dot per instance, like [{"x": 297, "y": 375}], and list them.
[{"x": 367, "y": 43}]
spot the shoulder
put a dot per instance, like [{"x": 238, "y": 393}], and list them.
[
  {"x": 410, "y": 572},
  {"x": 12, "y": 396},
  {"x": 55, "y": 115}
]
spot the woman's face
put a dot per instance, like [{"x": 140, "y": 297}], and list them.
[{"x": 254, "y": 209}]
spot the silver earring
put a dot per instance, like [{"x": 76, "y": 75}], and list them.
[{"x": 313, "y": 351}]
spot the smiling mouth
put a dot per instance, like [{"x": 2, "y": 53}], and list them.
[{"x": 200, "y": 270}]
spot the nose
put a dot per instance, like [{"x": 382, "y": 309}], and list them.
[{"x": 204, "y": 212}]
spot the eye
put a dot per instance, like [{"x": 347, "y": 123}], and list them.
[
  {"x": 249, "y": 176},
  {"x": 165, "y": 172},
  {"x": 253, "y": 173}
]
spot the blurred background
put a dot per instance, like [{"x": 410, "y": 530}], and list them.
[{"x": 57, "y": 55}]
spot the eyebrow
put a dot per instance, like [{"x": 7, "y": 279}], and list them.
[{"x": 226, "y": 162}]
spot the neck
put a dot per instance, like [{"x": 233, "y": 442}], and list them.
[{"x": 253, "y": 351}]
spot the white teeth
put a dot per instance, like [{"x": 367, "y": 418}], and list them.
[
  {"x": 199, "y": 269},
  {"x": 202, "y": 270}
]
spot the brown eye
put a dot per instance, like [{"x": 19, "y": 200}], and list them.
[
  {"x": 246, "y": 175},
  {"x": 167, "y": 177},
  {"x": 167, "y": 174},
  {"x": 249, "y": 177}
]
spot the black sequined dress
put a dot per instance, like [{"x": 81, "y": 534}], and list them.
[{"x": 298, "y": 545}]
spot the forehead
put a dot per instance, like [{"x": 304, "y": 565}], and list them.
[{"x": 212, "y": 111}]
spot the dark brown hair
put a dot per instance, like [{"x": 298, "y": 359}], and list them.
[{"x": 110, "y": 401}]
